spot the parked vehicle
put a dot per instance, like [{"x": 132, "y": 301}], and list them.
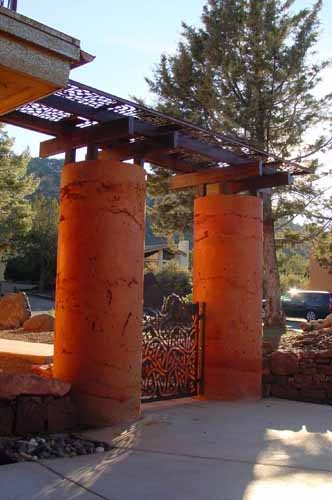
[{"x": 309, "y": 304}]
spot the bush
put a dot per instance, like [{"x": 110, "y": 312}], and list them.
[{"x": 173, "y": 279}]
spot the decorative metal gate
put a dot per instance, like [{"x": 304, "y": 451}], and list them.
[{"x": 172, "y": 353}]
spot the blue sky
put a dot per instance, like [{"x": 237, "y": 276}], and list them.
[{"x": 127, "y": 38}]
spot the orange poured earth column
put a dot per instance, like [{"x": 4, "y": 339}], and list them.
[
  {"x": 228, "y": 278},
  {"x": 99, "y": 292}
]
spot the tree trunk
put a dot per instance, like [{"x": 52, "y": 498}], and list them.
[{"x": 274, "y": 314}]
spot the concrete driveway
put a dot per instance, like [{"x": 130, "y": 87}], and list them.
[{"x": 194, "y": 450}]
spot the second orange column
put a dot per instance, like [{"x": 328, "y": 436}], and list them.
[{"x": 228, "y": 243}]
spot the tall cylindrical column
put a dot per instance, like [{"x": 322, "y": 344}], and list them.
[
  {"x": 99, "y": 292},
  {"x": 228, "y": 243}
]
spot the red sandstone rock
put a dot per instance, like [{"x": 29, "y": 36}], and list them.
[
  {"x": 61, "y": 414},
  {"x": 6, "y": 418},
  {"x": 14, "y": 310},
  {"x": 324, "y": 354},
  {"x": 302, "y": 379},
  {"x": 31, "y": 415},
  {"x": 39, "y": 323},
  {"x": 313, "y": 393},
  {"x": 267, "y": 347},
  {"x": 43, "y": 370},
  {"x": 266, "y": 365},
  {"x": 15, "y": 384},
  {"x": 284, "y": 363},
  {"x": 285, "y": 391}
]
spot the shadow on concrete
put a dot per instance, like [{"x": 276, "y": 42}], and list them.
[{"x": 214, "y": 451}]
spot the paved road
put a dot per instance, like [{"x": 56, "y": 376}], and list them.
[
  {"x": 40, "y": 305},
  {"x": 294, "y": 323}
]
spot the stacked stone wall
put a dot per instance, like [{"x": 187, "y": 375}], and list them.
[
  {"x": 299, "y": 376},
  {"x": 36, "y": 414}
]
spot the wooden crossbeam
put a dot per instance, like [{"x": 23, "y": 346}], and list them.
[
  {"x": 216, "y": 176},
  {"x": 258, "y": 183},
  {"x": 218, "y": 154},
  {"x": 90, "y": 135},
  {"x": 170, "y": 162},
  {"x": 187, "y": 143},
  {"x": 128, "y": 150},
  {"x": 150, "y": 150}
]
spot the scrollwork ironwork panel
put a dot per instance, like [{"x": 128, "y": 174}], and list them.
[{"x": 170, "y": 351}]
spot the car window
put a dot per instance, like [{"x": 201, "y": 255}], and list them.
[{"x": 316, "y": 298}]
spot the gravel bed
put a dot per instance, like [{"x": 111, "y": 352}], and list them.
[
  {"x": 48, "y": 446},
  {"x": 317, "y": 340},
  {"x": 40, "y": 337}
]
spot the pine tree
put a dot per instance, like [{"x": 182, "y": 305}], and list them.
[
  {"x": 16, "y": 187},
  {"x": 251, "y": 70},
  {"x": 41, "y": 241},
  {"x": 36, "y": 252}
]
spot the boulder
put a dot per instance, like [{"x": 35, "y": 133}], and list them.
[
  {"x": 284, "y": 363},
  {"x": 16, "y": 384},
  {"x": 318, "y": 324},
  {"x": 39, "y": 323},
  {"x": 14, "y": 310},
  {"x": 45, "y": 371}
]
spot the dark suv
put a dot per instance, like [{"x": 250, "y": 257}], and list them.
[{"x": 308, "y": 304}]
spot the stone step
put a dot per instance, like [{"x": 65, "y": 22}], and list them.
[{"x": 19, "y": 356}]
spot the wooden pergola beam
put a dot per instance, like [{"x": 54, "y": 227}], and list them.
[
  {"x": 91, "y": 135},
  {"x": 214, "y": 153},
  {"x": 170, "y": 162},
  {"x": 153, "y": 151},
  {"x": 258, "y": 183},
  {"x": 129, "y": 150},
  {"x": 216, "y": 176}
]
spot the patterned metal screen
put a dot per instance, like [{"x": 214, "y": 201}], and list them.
[{"x": 171, "y": 351}]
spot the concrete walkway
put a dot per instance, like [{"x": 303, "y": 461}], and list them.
[{"x": 193, "y": 450}]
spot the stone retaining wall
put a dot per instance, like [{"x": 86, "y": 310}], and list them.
[
  {"x": 36, "y": 414},
  {"x": 300, "y": 376}
]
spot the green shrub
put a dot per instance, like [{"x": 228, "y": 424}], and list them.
[{"x": 173, "y": 279}]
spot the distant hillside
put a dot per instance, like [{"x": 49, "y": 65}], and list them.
[{"x": 48, "y": 171}]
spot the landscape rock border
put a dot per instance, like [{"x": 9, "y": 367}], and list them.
[
  {"x": 299, "y": 376},
  {"x": 43, "y": 447},
  {"x": 37, "y": 414}
]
